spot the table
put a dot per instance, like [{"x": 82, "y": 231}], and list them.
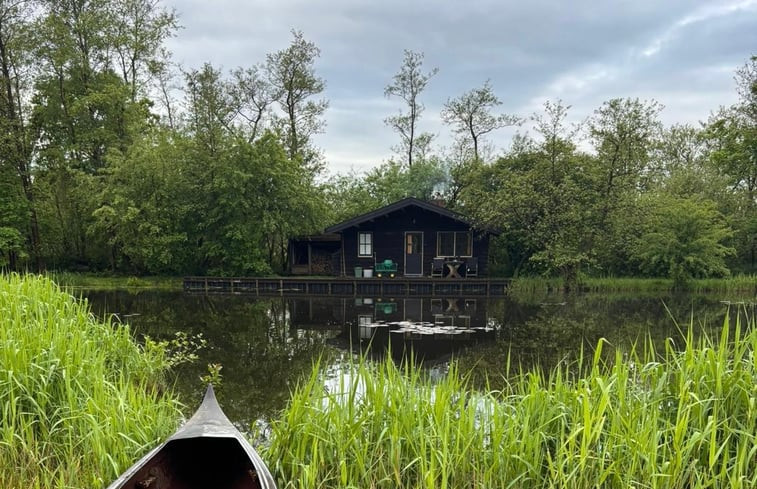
[{"x": 453, "y": 268}]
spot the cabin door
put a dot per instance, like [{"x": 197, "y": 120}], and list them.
[{"x": 414, "y": 253}]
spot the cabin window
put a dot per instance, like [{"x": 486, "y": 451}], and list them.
[
  {"x": 450, "y": 243},
  {"x": 364, "y": 244}
]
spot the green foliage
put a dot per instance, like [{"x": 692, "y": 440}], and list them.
[
  {"x": 146, "y": 205},
  {"x": 13, "y": 218},
  {"x": 624, "y": 133},
  {"x": 79, "y": 399},
  {"x": 668, "y": 418},
  {"x": 731, "y": 134},
  {"x": 685, "y": 239},
  {"x": 91, "y": 178},
  {"x": 539, "y": 196},
  {"x": 352, "y": 195}
]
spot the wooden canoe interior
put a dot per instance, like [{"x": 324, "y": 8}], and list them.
[{"x": 197, "y": 463}]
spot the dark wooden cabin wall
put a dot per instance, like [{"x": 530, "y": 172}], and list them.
[{"x": 389, "y": 239}]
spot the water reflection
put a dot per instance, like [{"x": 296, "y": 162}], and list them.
[
  {"x": 266, "y": 345},
  {"x": 262, "y": 355},
  {"x": 433, "y": 328}
]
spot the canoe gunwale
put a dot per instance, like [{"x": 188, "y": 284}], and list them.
[{"x": 209, "y": 421}]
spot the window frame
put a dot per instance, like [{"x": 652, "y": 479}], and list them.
[
  {"x": 454, "y": 234},
  {"x": 361, "y": 244}
]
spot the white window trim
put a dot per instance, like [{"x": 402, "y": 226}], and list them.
[{"x": 370, "y": 254}]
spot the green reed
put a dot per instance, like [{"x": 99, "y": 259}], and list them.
[
  {"x": 107, "y": 281},
  {"x": 538, "y": 288},
  {"x": 79, "y": 399},
  {"x": 683, "y": 417}
]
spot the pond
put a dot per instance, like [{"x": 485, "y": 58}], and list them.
[{"x": 266, "y": 345}]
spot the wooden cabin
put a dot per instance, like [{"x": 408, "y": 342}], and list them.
[{"x": 420, "y": 239}]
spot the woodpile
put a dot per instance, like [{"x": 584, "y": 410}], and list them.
[{"x": 321, "y": 263}]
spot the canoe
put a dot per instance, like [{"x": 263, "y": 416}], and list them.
[{"x": 207, "y": 452}]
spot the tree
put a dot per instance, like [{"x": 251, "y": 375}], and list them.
[
  {"x": 471, "y": 117},
  {"x": 351, "y": 195},
  {"x": 624, "y": 133},
  {"x": 253, "y": 95},
  {"x": 18, "y": 207},
  {"x": 731, "y": 135},
  {"x": 140, "y": 28},
  {"x": 146, "y": 209},
  {"x": 94, "y": 60},
  {"x": 291, "y": 75},
  {"x": 684, "y": 240},
  {"x": 211, "y": 109},
  {"x": 408, "y": 85},
  {"x": 539, "y": 195}
]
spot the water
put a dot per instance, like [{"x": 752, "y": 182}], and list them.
[{"x": 266, "y": 345}]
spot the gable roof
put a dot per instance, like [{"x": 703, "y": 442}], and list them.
[{"x": 400, "y": 204}]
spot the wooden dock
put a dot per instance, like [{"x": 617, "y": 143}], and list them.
[{"x": 347, "y": 286}]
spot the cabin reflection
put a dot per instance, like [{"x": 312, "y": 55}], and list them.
[{"x": 430, "y": 327}]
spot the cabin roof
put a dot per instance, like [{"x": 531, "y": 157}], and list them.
[{"x": 400, "y": 204}]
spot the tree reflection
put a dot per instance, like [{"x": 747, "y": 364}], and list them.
[
  {"x": 261, "y": 354},
  {"x": 266, "y": 345}
]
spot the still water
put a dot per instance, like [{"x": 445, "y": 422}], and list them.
[{"x": 266, "y": 345}]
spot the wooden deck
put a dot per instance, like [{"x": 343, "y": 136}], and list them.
[{"x": 347, "y": 286}]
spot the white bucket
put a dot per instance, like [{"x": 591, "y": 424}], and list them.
[{"x": 367, "y": 272}]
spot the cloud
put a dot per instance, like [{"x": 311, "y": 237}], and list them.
[{"x": 680, "y": 52}]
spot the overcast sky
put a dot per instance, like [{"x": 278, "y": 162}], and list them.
[{"x": 682, "y": 53}]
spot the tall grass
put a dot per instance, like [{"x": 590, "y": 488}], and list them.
[
  {"x": 737, "y": 283},
  {"x": 538, "y": 288},
  {"x": 79, "y": 399},
  {"x": 684, "y": 417},
  {"x": 529, "y": 286},
  {"x": 103, "y": 281}
]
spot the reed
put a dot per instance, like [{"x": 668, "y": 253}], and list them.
[
  {"x": 79, "y": 399},
  {"x": 680, "y": 417},
  {"x": 737, "y": 284},
  {"x": 626, "y": 284},
  {"x": 537, "y": 288},
  {"x": 100, "y": 281}
]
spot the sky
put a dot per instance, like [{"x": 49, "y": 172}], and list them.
[{"x": 681, "y": 53}]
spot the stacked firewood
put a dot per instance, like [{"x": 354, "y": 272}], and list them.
[{"x": 320, "y": 264}]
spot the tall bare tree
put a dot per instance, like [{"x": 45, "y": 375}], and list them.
[
  {"x": 253, "y": 95},
  {"x": 470, "y": 115},
  {"x": 408, "y": 85},
  {"x": 291, "y": 74}
]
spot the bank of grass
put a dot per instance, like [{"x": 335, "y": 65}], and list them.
[
  {"x": 742, "y": 285},
  {"x": 685, "y": 417},
  {"x": 94, "y": 281},
  {"x": 79, "y": 399}
]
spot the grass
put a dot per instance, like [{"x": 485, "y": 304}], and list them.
[
  {"x": 683, "y": 417},
  {"x": 94, "y": 281},
  {"x": 79, "y": 399},
  {"x": 531, "y": 287}
]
